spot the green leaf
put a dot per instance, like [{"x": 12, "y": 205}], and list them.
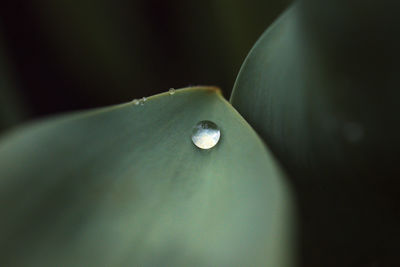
[
  {"x": 270, "y": 91},
  {"x": 124, "y": 185},
  {"x": 329, "y": 112},
  {"x": 315, "y": 108}
]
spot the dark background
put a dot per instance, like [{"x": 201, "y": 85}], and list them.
[{"x": 64, "y": 55}]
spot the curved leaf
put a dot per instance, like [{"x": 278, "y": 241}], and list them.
[
  {"x": 125, "y": 186},
  {"x": 332, "y": 121}
]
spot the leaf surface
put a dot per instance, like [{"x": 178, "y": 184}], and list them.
[
  {"x": 125, "y": 186},
  {"x": 328, "y": 109}
]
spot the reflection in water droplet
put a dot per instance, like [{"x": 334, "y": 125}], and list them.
[
  {"x": 171, "y": 91},
  {"x": 353, "y": 132},
  {"x": 135, "y": 102},
  {"x": 205, "y": 134}
]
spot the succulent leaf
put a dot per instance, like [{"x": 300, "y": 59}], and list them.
[
  {"x": 329, "y": 112},
  {"x": 125, "y": 186}
]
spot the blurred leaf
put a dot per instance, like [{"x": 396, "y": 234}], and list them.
[
  {"x": 96, "y": 55},
  {"x": 12, "y": 109},
  {"x": 331, "y": 118},
  {"x": 124, "y": 185},
  {"x": 90, "y": 44}
]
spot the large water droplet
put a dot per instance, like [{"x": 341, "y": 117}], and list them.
[
  {"x": 205, "y": 134},
  {"x": 135, "y": 102},
  {"x": 171, "y": 91}
]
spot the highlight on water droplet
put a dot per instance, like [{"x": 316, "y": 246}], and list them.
[
  {"x": 171, "y": 91},
  {"x": 205, "y": 134},
  {"x": 135, "y": 102}
]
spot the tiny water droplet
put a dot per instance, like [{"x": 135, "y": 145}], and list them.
[
  {"x": 144, "y": 99},
  {"x": 135, "y": 102},
  {"x": 353, "y": 132},
  {"x": 205, "y": 134},
  {"x": 171, "y": 91}
]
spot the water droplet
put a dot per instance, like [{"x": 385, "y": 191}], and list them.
[
  {"x": 144, "y": 99},
  {"x": 171, "y": 91},
  {"x": 135, "y": 102},
  {"x": 205, "y": 134},
  {"x": 353, "y": 132}
]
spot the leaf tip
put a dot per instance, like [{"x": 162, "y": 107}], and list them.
[{"x": 210, "y": 88}]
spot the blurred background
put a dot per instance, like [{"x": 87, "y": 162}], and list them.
[{"x": 63, "y": 55}]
